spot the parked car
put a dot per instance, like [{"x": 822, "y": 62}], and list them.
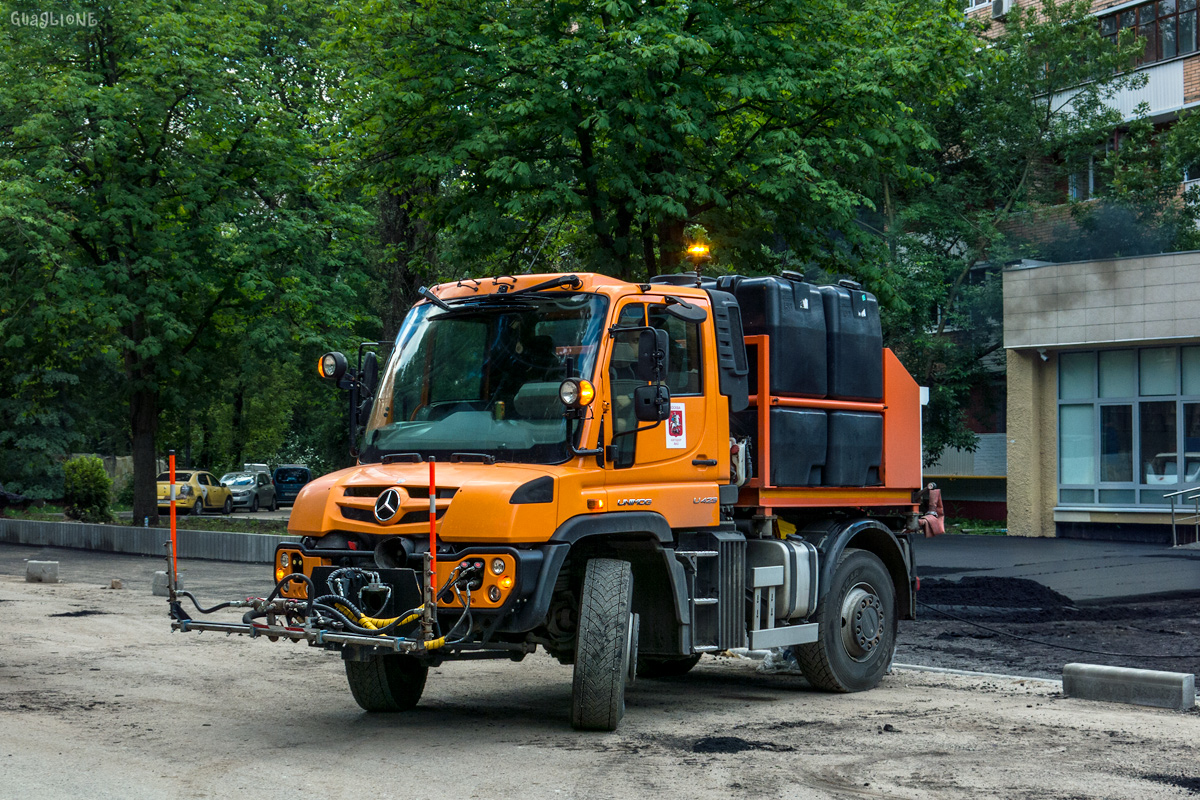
[
  {"x": 196, "y": 491},
  {"x": 251, "y": 490},
  {"x": 289, "y": 479}
]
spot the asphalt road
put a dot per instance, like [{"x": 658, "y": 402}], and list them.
[{"x": 98, "y": 699}]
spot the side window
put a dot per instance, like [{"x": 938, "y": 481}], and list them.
[
  {"x": 683, "y": 346},
  {"x": 622, "y": 377},
  {"x": 203, "y": 479},
  {"x": 262, "y": 479}
]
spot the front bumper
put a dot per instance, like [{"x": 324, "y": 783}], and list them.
[
  {"x": 242, "y": 502},
  {"x": 521, "y": 609}
]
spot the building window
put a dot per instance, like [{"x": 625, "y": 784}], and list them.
[
  {"x": 1168, "y": 28},
  {"x": 1128, "y": 425}
]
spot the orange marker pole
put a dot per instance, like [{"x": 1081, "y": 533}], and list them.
[
  {"x": 174, "y": 548},
  {"x": 433, "y": 587}
]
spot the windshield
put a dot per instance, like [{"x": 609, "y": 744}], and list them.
[
  {"x": 484, "y": 377},
  {"x": 238, "y": 479}
]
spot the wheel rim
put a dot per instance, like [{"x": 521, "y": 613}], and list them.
[{"x": 862, "y": 621}]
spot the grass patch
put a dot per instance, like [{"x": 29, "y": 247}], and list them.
[
  {"x": 977, "y": 527},
  {"x": 230, "y": 524}
]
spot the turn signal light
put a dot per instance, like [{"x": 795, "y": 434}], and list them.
[
  {"x": 595, "y": 504},
  {"x": 506, "y": 582},
  {"x": 280, "y": 574}
]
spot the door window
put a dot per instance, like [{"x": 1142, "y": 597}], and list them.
[{"x": 683, "y": 369}]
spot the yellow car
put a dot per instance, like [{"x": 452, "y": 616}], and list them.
[{"x": 195, "y": 492}]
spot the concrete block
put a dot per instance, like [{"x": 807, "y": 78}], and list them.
[
  {"x": 159, "y": 585},
  {"x": 1142, "y": 687},
  {"x": 41, "y": 572}
]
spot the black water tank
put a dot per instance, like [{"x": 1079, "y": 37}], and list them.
[
  {"x": 854, "y": 344},
  {"x": 855, "y": 448},
  {"x": 792, "y": 314},
  {"x": 798, "y": 444}
]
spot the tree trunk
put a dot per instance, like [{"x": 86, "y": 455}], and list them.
[
  {"x": 408, "y": 246},
  {"x": 239, "y": 438},
  {"x": 671, "y": 245},
  {"x": 143, "y": 424}
]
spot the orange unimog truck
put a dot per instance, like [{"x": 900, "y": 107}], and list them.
[{"x": 627, "y": 475}]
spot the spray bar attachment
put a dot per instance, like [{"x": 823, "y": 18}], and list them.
[{"x": 336, "y": 618}]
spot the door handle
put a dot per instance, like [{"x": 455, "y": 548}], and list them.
[{"x": 704, "y": 462}]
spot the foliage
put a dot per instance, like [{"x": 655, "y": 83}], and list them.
[
  {"x": 87, "y": 489},
  {"x": 161, "y": 178},
  {"x": 1037, "y": 102},
  {"x": 593, "y": 133},
  {"x": 1138, "y": 208}
]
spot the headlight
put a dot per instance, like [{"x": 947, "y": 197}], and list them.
[
  {"x": 332, "y": 366},
  {"x": 576, "y": 393}
]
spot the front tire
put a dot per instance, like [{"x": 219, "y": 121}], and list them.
[
  {"x": 254, "y": 504},
  {"x": 603, "y": 645},
  {"x": 387, "y": 683},
  {"x": 858, "y": 622},
  {"x": 228, "y": 507}
]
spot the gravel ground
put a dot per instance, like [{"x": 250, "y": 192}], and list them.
[{"x": 98, "y": 699}]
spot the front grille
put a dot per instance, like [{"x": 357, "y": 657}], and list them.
[
  {"x": 419, "y": 516},
  {"x": 363, "y": 515},
  {"x": 422, "y": 492},
  {"x": 359, "y": 515},
  {"x": 363, "y": 491}
]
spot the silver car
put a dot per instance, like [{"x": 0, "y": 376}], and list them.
[{"x": 251, "y": 490}]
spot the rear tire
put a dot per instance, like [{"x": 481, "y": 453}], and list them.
[
  {"x": 198, "y": 507},
  {"x": 386, "y": 683},
  {"x": 603, "y": 646},
  {"x": 666, "y": 667},
  {"x": 857, "y": 638}
]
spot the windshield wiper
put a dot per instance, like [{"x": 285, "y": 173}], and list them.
[
  {"x": 467, "y": 309},
  {"x": 392, "y": 458},
  {"x": 482, "y": 458},
  {"x": 562, "y": 280},
  {"x": 433, "y": 298}
]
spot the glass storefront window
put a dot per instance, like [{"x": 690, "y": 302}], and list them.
[
  {"x": 1159, "y": 457},
  {"x": 1076, "y": 376},
  {"x": 1190, "y": 357},
  {"x": 1118, "y": 370},
  {"x": 1157, "y": 371},
  {"x": 1076, "y": 454},
  {"x": 1116, "y": 444},
  {"x": 1139, "y": 438}
]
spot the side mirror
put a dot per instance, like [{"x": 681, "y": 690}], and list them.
[
  {"x": 652, "y": 403},
  {"x": 652, "y": 363},
  {"x": 370, "y": 374}
]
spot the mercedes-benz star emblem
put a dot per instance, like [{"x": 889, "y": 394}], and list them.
[{"x": 387, "y": 506}]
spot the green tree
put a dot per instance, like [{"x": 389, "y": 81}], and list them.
[
  {"x": 160, "y": 172},
  {"x": 1038, "y": 101},
  {"x": 603, "y": 129}
]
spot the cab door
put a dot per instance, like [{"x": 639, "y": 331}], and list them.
[{"x": 670, "y": 467}]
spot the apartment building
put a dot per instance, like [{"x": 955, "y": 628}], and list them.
[{"x": 1102, "y": 427}]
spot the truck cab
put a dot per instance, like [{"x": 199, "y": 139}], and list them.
[{"x": 606, "y": 470}]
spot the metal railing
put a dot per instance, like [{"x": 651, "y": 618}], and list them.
[{"x": 1194, "y": 517}]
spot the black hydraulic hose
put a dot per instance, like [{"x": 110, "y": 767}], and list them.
[{"x": 199, "y": 607}]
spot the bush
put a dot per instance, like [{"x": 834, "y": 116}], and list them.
[{"x": 87, "y": 489}]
